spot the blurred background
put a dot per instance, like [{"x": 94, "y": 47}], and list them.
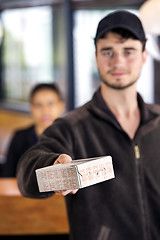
[{"x": 52, "y": 41}]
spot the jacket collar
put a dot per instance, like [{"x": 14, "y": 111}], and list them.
[{"x": 99, "y": 106}]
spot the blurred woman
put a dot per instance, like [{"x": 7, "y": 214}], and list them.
[{"x": 46, "y": 105}]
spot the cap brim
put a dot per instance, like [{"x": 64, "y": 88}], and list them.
[{"x": 118, "y": 26}]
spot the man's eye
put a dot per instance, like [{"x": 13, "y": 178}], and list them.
[
  {"x": 108, "y": 54},
  {"x": 128, "y": 53}
]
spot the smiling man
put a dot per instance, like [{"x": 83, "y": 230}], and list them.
[
  {"x": 117, "y": 60},
  {"x": 120, "y": 57},
  {"x": 115, "y": 122}
]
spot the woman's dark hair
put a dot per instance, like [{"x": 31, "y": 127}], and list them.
[{"x": 42, "y": 86}]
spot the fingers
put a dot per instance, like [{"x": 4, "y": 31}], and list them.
[
  {"x": 74, "y": 191},
  {"x": 66, "y": 192}
]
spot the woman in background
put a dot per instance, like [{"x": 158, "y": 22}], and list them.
[{"x": 46, "y": 105}]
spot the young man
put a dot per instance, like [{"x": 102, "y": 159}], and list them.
[
  {"x": 115, "y": 122},
  {"x": 46, "y": 105}
]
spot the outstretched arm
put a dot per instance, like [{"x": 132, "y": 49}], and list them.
[{"x": 56, "y": 140}]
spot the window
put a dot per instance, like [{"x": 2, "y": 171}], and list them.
[
  {"x": 32, "y": 51},
  {"x": 37, "y": 48}
]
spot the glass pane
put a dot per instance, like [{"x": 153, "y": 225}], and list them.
[
  {"x": 86, "y": 74},
  {"x": 31, "y": 50}
]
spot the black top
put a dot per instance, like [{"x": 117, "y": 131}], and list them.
[
  {"x": 126, "y": 207},
  {"x": 20, "y": 143}
]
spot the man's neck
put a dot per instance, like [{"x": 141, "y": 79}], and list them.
[
  {"x": 121, "y": 102},
  {"x": 124, "y": 106}
]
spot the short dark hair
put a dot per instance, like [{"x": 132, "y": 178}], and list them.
[
  {"x": 42, "y": 86},
  {"x": 125, "y": 34}
]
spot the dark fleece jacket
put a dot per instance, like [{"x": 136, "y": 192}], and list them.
[{"x": 126, "y": 207}]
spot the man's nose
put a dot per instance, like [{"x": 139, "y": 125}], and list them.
[{"x": 118, "y": 59}]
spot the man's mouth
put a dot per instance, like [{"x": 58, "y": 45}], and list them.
[{"x": 117, "y": 74}]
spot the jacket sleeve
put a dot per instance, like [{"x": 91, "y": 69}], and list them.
[{"x": 55, "y": 140}]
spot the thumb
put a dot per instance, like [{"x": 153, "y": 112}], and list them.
[{"x": 63, "y": 158}]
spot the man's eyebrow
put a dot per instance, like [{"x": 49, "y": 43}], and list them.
[
  {"x": 130, "y": 48},
  {"x": 106, "y": 49},
  {"x": 110, "y": 48}
]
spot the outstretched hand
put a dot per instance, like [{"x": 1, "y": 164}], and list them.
[{"x": 64, "y": 158}]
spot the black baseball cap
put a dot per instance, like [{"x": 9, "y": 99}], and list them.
[{"x": 121, "y": 19}]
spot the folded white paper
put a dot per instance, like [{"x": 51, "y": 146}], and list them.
[{"x": 76, "y": 174}]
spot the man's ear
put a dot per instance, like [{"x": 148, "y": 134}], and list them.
[
  {"x": 96, "y": 56},
  {"x": 145, "y": 55}
]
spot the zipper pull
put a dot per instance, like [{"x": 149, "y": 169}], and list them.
[{"x": 137, "y": 152}]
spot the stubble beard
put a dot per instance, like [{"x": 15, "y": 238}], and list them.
[{"x": 114, "y": 86}]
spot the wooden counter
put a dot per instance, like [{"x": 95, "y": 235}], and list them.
[{"x": 20, "y": 216}]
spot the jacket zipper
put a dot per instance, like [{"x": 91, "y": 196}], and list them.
[
  {"x": 137, "y": 158},
  {"x": 137, "y": 152}
]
